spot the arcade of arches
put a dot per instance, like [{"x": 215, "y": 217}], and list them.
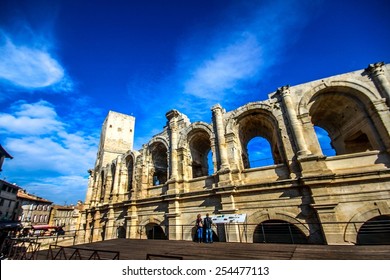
[{"x": 268, "y": 159}]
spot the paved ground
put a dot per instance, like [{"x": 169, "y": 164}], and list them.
[{"x": 135, "y": 249}]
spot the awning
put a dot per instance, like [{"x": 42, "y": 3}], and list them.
[{"x": 37, "y": 227}]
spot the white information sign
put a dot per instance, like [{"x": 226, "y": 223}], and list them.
[{"x": 228, "y": 218}]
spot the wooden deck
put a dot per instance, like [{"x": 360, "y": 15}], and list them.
[{"x": 136, "y": 249}]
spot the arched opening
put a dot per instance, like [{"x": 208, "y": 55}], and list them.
[
  {"x": 278, "y": 231},
  {"x": 210, "y": 162},
  {"x": 325, "y": 141},
  {"x": 160, "y": 163},
  {"x": 154, "y": 231},
  {"x": 375, "y": 231},
  {"x": 260, "y": 126},
  {"x": 130, "y": 168},
  {"x": 200, "y": 149},
  {"x": 102, "y": 186},
  {"x": 346, "y": 120},
  {"x": 103, "y": 232},
  {"x": 113, "y": 170},
  {"x": 121, "y": 232},
  {"x": 259, "y": 152}
]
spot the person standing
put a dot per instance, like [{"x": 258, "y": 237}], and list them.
[
  {"x": 199, "y": 227},
  {"x": 207, "y": 223}
]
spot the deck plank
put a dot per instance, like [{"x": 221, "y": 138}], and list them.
[{"x": 137, "y": 249}]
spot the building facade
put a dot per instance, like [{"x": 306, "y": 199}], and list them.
[
  {"x": 35, "y": 209},
  {"x": 66, "y": 216},
  {"x": 9, "y": 204},
  {"x": 191, "y": 168}
]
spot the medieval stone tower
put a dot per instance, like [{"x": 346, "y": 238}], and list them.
[
  {"x": 117, "y": 137},
  {"x": 301, "y": 194}
]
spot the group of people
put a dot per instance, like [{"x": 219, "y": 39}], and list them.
[{"x": 205, "y": 224}]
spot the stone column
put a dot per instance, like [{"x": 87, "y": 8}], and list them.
[
  {"x": 116, "y": 189},
  {"x": 89, "y": 196},
  {"x": 110, "y": 224},
  {"x": 108, "y": 183},
  {"x": 294, "y": 122},
  {"x": 82, "y": 226},
  {"x": 377, "y": 74},
  {"x": 332, "y": 229},
  {"x": 144, "y": 173},
  {"x": 220, "y": 131},
  {"x": 172, "y": 122},
  {"x": 174, "y": 220},
  {"x": 88, "y": 225}
]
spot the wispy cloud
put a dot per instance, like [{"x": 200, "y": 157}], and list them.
[
  {"x": 239, "y": 61},
  {"x": 61, "y": 189},
  {"x": 31, "y": 119},
  {"x": 31, "y": 66},
  {"x": 45, "y": 148},
  {"x": 230, "y": 63}
]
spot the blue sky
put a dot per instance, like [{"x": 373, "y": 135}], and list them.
[{"x": 65, "y": 64}]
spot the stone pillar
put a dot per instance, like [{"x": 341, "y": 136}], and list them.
[
  {"x": 333, "y": 231},
  {"x": 175, "y": 231},
  {"x": 89, "y": 196},
  {"x": 82, "y": 226},
  {"x": 172, "y": 122},
  {"x": 296, "y": 126},
  {"x": 142, "y": 193},
  {"x": 122, "y": 184},
  {"x": 88, "y": 225},
  {"x": 116, "y": 188},
  {"x": 220, "y": 131},
  {"x": 377, "y": 74},
  {"x": 108, "y": 183},
  {"x": 110, "y": 224},
  {"x": 132, "y": 226}
]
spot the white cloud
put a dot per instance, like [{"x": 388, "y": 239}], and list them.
[
  {"x": 31, "y": 119},
  {"x": 30, "y": 67},
  {"x": 239, "y": 61},
  {"x": 47, "y": 154},
  {"x": 61, "y": 189}
]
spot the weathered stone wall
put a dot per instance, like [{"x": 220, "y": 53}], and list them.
[{"x": 157, "y": 191}]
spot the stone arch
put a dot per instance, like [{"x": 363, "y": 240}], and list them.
[
  {"x": 232, "y": 123},
  {"x": 151, "y": 220},
  {"x": 361, "y": 90},
  {"x": 199, "y": 144},
  {"x": 159, "y": 157},
  {"x": 183, "y": 141},
  {"x": 196, "y": 144},
  {"x": 151, "y": 228},
  {"x": 262, "y": 216},
  {"x": 129, "y": 161},
  {"x": 159, "y": 139},
  {"x": 256, "y": 120},
  {"x": 363, "y": 214},
  {"x": 345, "y": 110}
]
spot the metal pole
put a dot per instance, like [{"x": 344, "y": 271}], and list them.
[
  {"x": 239, "y": 232},
  {"x": 289, "y": 229},
  {"x": 262, "y": 229}
]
